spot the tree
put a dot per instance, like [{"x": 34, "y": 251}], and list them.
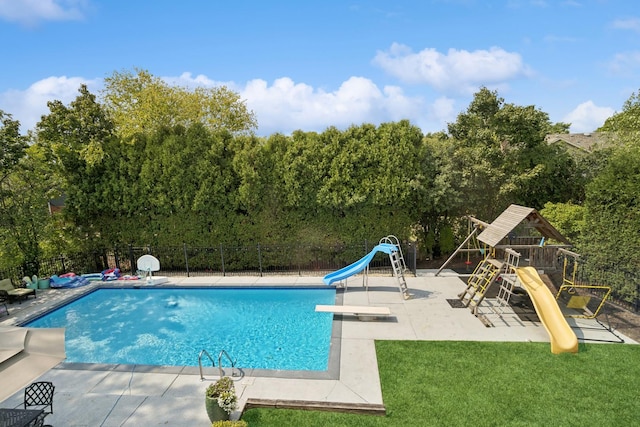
[
  {"x": 501, "y": 152},
  {"x": 626, "y": 121},
  {"x": 567, "y": 218},
  {"x": 78, "y": 141},
  {"x": 24, "y": 191},
  {"x": 612, "y": 220},
  {"x": 140, "y": 103},
  {"x": 12, "y": 144}
]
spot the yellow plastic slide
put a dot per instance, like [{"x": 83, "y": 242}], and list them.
[{"x": 563, "y": 339}]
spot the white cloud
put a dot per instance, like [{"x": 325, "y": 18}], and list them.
[
  {"x": 282, "y": 106},
  {"x": 625, "y": 63},
  {"x": 632, "y": 24},
  {"x": 29, "y": 105},
  {"x": 443, "y": 110},
  {"x": 286, "y": 106},
  {"x": 457, "y": 70},
  {"x": 30, "y": 12},
  {"x": 587, "y": 117},
  {"x": 186, "y": 79}
]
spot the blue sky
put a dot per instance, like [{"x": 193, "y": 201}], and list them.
[{"x": 310, "y": 65}]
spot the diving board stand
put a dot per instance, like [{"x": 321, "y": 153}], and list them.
[{"x": 362, "y": 312}]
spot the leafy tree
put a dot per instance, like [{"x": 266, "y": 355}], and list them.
[
  {"x": 567, "y": 218},
  {"x": 78, "y": 140},
  {"x": 24, "y": 192},
  {"x": 501, "y": 152},
  {"x": 626, "y": 121},
  {"x": 612, "y": 220},
  {"x": 12, "y": 144},
  {"x": 141, "y": 102}
]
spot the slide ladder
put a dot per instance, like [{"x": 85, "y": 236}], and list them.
[
  {"x": 397, "y": 262},
  {"x": 398, "y": 265}
]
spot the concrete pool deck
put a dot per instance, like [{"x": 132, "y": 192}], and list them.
[{"x": 125, "y": 395}]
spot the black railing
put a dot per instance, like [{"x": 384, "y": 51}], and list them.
[
  {"x": 255, "y": 260},
  {"x": 264, "y": 259}
]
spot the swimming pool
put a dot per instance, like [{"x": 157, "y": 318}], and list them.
[{"x": 260, "y": 328}]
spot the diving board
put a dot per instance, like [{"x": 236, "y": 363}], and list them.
[{"x": 362, "y": 312}]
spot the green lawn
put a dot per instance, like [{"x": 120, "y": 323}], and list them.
[{"x": 443, "y": 383}]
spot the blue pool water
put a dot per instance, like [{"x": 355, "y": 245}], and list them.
[{"x": 275, "y": 328}]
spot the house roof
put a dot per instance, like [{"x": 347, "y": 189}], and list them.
[
  {"x": 582, "y": 141},
  {"x": 513, "y": 216}
]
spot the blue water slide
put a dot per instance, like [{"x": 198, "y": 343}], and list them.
[{"x": 359, "y": 265}]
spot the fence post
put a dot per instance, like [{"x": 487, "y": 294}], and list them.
[
  {"x": 260, "y": 259},
  {"x": 64, "y": 267},
  {"x": 132, "y": 260},
  {"x": 414, "y": 257},
  {"x": 222, "y": 259},
  {"x": 116, "y": 257},
  {"x": 186, "y": 258}
]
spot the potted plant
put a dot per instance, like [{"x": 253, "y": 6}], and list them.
[
  {"x": 239, "y": 423},
  {"x": 221, "y": 399}
]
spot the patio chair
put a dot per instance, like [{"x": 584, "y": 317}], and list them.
[
  {"x": 16, "y": 293},
  {"x": 39, "y": 395},
  {"x": 39, "y": 422}
]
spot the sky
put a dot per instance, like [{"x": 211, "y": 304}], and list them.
[{"x": 309, "y": 65}]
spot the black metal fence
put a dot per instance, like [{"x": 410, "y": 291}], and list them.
[
  {"x": 257, "y": 260},
  {"x": 263, "y": 260},
  {"x": 625, "y": 285}
]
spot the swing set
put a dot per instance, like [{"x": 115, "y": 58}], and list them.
[
  {"x": 473, "y": 244},
  {"x": 577, "y": 294},
  {"x": 571, "y": 287}
]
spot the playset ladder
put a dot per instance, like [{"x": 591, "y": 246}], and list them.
[
  {"x": 509, "y": 277},
  {"x": 484, "y": 275}
]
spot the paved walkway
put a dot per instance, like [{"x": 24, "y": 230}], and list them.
[{"x": 97, "y": 395}]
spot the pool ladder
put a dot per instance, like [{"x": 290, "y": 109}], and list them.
[{"x": 222, "y": 353}]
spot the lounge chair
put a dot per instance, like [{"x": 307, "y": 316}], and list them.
[{"x": 16, "y": 293}]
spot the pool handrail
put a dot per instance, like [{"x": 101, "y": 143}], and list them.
[
  {"x": 233, "y": 363},
  {"x": 213, "y": 364},
  {"x": 200, "y": 362}
]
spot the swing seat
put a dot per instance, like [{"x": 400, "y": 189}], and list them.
[{"x": 578, "y": 302}]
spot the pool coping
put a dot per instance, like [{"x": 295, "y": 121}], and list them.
[
  {"x": 331, "y": 373},
  {"x": 129, "y": 399}
]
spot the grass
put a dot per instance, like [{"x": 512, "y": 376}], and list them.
[{"x": 436, "y": 383}]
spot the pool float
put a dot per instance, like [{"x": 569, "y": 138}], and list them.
[{"x": 68, "y": 280}]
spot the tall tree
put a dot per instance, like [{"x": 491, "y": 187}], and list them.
[
  {"x": 612, "y": 221},
  {"x": 78, "y": 140},
  {"x": 626, "y": 121},
  {"x": 501, "y": 152},
  {"x": 12, "y": 144},
  {"x": 24, "y": 191},
  {"x": 140, "y": 102}
]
